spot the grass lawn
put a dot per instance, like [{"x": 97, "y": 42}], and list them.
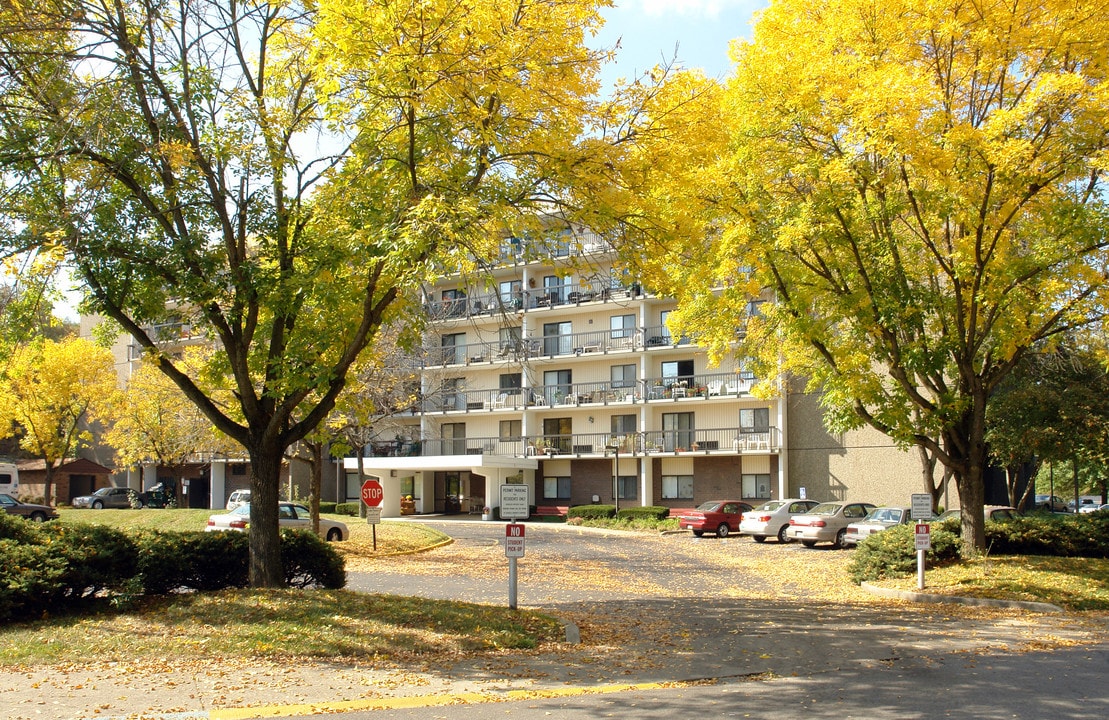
[
  {"x": 1071, "y": 583},
  {"x": 249, "y": 623}
]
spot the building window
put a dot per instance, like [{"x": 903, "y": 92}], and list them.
[
  {"x": 627, "y": 487},
  {"x": 511, "y": 430},
  {"x": 623, "y": 376},
  {"x": 454, "y": 438},
  {"x": 756, "y": 485},
  {"x": 556, "y": 488},
  {"x": 754, "y": 420},
  {"x": 622, "y": 326},
  {"x": 623, "y": 425},
  {"x": 677, "y": 431},
  {"x": 453, "y": 348},
  {"x": 510, "y": 341},
  {"x": 677, "y": 487},
  {"x": 557, "y": 433},
  {"x": 677, "y": 371},
  {"x": 512, "y": 294}
]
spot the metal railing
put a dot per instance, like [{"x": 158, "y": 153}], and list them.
[
  {"x": 699, "y": 386},
  {"x": 712, "y": 441},
  {"x": 492, "y": 303},
  {"x": 594, "y": 342}
]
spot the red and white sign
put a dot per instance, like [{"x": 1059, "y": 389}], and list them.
[
  {"x": 513, "y": 540},
  {"x": 372, "y": 493},
  {"x": 923, "y": 536}
]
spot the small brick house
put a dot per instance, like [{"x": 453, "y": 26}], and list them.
[{"x": 72, "y": 477}]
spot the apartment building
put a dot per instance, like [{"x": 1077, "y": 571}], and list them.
[{"x": 558, "y": 370}]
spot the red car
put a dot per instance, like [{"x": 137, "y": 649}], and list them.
[{"x": 717, "y": 516}]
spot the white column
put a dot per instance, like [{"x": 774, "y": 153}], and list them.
[{"x": 218, "y": 493}]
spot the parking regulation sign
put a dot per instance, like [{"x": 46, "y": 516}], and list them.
[
  {"x": 923, "y": 536},
  {"x": 514, "y": 502},
  {"x": 514, "y": 540}
]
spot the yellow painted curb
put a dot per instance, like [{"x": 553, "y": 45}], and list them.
[{"x": 414, "y": 701}]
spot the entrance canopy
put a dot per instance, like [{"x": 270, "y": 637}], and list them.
[{"x": 477, "y": 464}]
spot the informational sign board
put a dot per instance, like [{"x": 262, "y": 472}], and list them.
[
  {"x": 514, "y": 540},
  {"x": 923, "y": 536},
  {"x": 922, "y": 506},
  {"x": 372, "y": 494},
  {"x": 514, "y": 502},
  {"x": 373, "y": 515}
]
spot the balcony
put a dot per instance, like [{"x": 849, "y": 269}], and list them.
[
  {"x": 494, "y": 303},
  {"x": 592, "y": 394},
  {"x": 713, "y": 441},
  {"x": 596, "y": 342}
]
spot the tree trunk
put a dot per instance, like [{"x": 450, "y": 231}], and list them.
[
  {"x": 317, "y": 450},
  {"x": 970, "y": 473},
  {"x": 48, "y": 483},
  {"x": 265, "y": 539}
]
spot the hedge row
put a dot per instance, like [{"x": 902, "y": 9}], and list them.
[
  {"x": 891, "y": 553},
  {"x": 52, "y": 567}
]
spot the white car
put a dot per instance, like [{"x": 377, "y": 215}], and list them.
[
  {"x": 771, "y": 519},
  {"x": 238, "y": 498},
  {"x": 291, "y": 516},
  {"x": 826, "y": 522}
]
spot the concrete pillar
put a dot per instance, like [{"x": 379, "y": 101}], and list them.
[{"x": 218, "y": 493}]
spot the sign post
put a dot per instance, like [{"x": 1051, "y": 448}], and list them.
[
  {"x": 372, "y": 495},
  {"x": 922, "y": 510},
  {"x": 923, "y": 545},
  {"x": 514, "y": 506}
]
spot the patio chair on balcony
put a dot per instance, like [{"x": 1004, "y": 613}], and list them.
[{"x": 498, "y": 403}]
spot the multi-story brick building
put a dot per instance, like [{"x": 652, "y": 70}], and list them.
[{"x": 559, "y": 371}]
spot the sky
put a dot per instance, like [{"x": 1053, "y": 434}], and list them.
[{"x": 650, "y": 30}]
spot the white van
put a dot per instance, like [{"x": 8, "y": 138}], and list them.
[{"x": 9, "y": 479}]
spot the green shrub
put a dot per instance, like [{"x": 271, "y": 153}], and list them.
[
  {"x": 591, "y": 512},
  {"x": 309, "y": 561},
  {"x": 348, "y": 508},
  {"x": 98, "y": 558},
  {"x": 892, "y": 552},
  {"x": 327, "y": 508},
  {"x": 651, "y": 512},
  {"x": 47, "y": 568},
  {"x": 29, "y": 576},
  {"x": 13, "y": 527}
]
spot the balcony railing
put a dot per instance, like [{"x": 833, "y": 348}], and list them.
[
  {"x": 702, "y": 386},
  {"x": 713, "y": 441},
  {"x": 570, "y": 293},
  {"x": 548, "y": 346}
]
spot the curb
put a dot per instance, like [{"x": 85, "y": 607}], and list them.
[{"x": 960, "y": 599}]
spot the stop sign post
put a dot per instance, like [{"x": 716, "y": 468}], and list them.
[{"x": 372, "y": 495}]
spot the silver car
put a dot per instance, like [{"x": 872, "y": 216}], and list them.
[
  {"x": 878, "y": 520},
  {"x": 826, "y": 522},
  {"x": 771, "y": 519}
]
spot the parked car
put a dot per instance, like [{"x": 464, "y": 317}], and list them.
[
  {"x": 238, "y": 498},
  {"x": 993, "y": 512},
  {"x": 879, "y": 519},
  {"x": 1085, "y": 509},
  {"x": 718, "y": 516},
  {"x": 771, "y": 519},
  {"x": 827, "y": 522},
  {"x": 109, "y": 497},
  {"x": 291, "y": 516},
  {"x": 1051, "y": 503},
  {"x": 37, "y": 513}
]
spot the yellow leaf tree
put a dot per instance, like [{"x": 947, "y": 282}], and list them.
[
  {"x": 50, "y": 392},
  {"x": 282, "y": 175},
  {"x": 155, "y": 423},
  {"x": 920, "y": 189}
]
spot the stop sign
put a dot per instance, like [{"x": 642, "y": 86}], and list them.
[{"x": 372, "y": 493}]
